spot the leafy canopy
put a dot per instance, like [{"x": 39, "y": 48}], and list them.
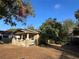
[
  {"x": 19, "y": 9},
  {"x": 77, "y": 15},
  {"x": 50, "y": 29},
  {"x": 68, "y": 24},
  {"x": 30, "y": 27}
]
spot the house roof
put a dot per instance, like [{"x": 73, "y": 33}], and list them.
[
  {"x": 5, "y": 32},
  {"x": 30, "y": 31},
  {"x": 22, "y": 31}
]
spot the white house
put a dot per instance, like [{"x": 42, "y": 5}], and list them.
[{"x": 25, "y": 37}]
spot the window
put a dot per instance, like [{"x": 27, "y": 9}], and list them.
[{"x": 5, "y": 36}]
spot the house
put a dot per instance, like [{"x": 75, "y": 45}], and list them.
[
  {"x": 1, "y": 35},
  {"x": 5, "y": 36},
  {"x": 25, "y": 37}
]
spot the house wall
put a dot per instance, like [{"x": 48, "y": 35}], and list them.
[
  {"x": 27, "y": 42},
  {"x": 6, "y": 38},
  {"x": 36, "y": 37}
]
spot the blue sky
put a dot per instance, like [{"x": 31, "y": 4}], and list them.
[{"x": 60, "y": 9}]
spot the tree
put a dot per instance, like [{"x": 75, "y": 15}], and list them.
[
  {"x": 67, "y": 30},
  {"x": 68, "y": 25},
  {"x": 50, "y": 29},
  {"x": 77, "y": 17},
  {"x": 30, "y": 27},
  {"x": 19, "y": 9},
  {"x": 12, "y": 29}
]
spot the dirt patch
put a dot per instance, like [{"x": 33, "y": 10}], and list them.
[{"x": 15, "y": 52}]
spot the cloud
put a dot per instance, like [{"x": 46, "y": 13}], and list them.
[{"x": 57, "y": 6}]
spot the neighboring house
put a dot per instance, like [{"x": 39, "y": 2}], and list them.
[
  {"x": 25, "y": 37},
  {"x": 5, "y": 36},
  {"x": 1, "y": 35}
]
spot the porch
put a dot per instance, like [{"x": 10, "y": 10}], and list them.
[{"x": 25, "y": 39}]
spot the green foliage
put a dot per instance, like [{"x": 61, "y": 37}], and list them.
[
  {"x": 68, "y": 24},
  {"x": 30, "y": 27},
  {"x": 76, "y": 31},
  {"x": 14, "y": 8},
  {"x": 12, "y": 29},
  {"x": 56, "y": 32},
  {"x": 77, "y": 15},
  {"x": 50, "y": 30},
  {"x": 67, "y": 29}
]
